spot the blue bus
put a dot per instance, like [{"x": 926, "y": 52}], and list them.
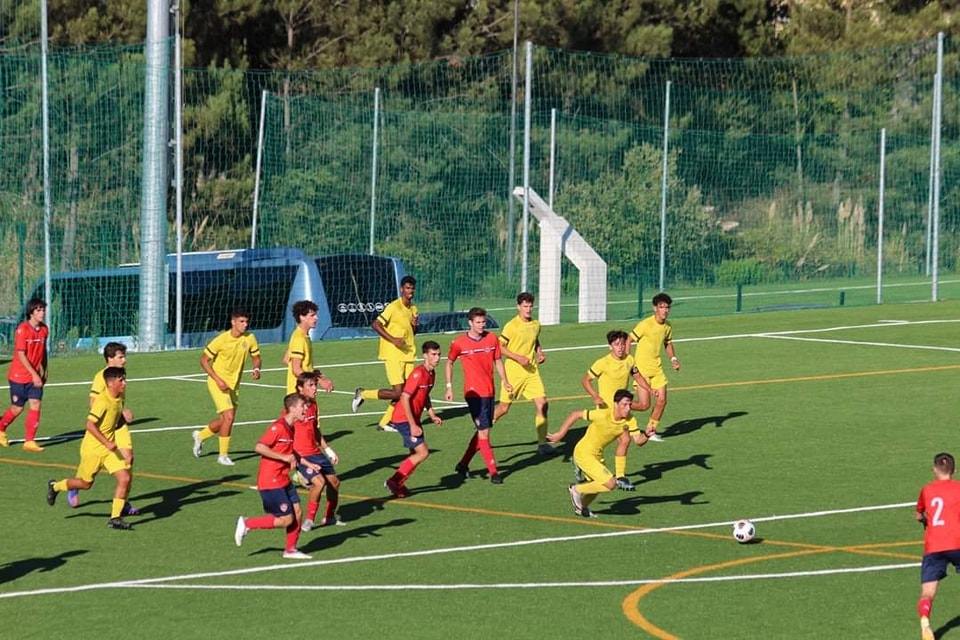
[{"x": 95, "y": 306}]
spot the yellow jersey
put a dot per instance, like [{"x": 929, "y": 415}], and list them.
[
  {"x": 397, "y": 320},
  {"x": 650, "y": 336},
  {"x": 611, "y": 375},
  {"x": 603, "y": 430}
]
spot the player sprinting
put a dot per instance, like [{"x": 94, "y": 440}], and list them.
[
  {"x": 652, "y": 334},
  {"x": 396, "y": 326},
  {"x": 27, "y": 375},
  {"x": 606, "y": 425},
  {"x": 414, "y": 399},
  {"x": 311, "y": 446},
  {"x": 99, "y": 450},
  {"x": 938, "y": 509},
  {"x": 280, "y": 500}
]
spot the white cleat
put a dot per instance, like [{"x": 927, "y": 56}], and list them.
[
  {"x": 295, "y": 554},
  {"x": 357, "y": 400},
  {"x": 225, "y": 461},
  {"x": 197, "y": 445},
  {"x": 241, "y": 531}
]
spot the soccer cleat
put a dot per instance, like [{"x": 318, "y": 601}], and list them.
[
  {"x": 129, "y": 510},
  {"x": 307, "y": 525},
  {"x": 653, "y": 436},
  {"x": 332, "y": 522},
  {"x": 926, "y": 633},
  {"x": 387, "y": 427},
  {"x": 463, "y": 471},
  {"x": 578, "y": 476},
  {"x": 624, "y": 484},
  {"x": 357, "y": 400},
  {"x": 32, "y": 446},
  {"x": 225, "y": 461},
  {"x": 547, "y": 450},
  {"x": 496, "y": 478},
  {"x": 51, "y": 493},
  {"x": 395, "y": 488},
  {"x": 73, "y": 498},
  {"x": 575, "y": 498},
  {"x": 241, "y": 531},
  {"x": 3, "y": 439},
  {"x": 119, "y": 523},
  {"x": 197, "y": 445},
  {"x": 586, "y": 513},
  {"x": 295, "y": 554}
]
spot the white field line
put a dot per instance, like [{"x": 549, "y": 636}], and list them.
[{"x": 160, "y": 582}]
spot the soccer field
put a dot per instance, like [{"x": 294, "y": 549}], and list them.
[{"x": 818, "y": 425}]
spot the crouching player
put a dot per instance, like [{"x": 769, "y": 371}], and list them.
[
  {"x": 310, "y": 445},
  {"x": 280, "y": 500},
  {"x": 414, "y": 398}
]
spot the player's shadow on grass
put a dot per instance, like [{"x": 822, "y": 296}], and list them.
[
  {"x": 451, "y": 413},
  {"x": 16, "y": 569},
  {"x": 351, "y": 512},
  {"x": 941, "y": 633},
  {"x": 521, "y": 460},
  {"x": 330, "y": 437},
  {"x": 630, "y": 506},
  {"x": 655, "y": 470},
  {"x": 326, "y": 538},
  {"x": 373, "y": 466},
  {"x": 689, "y": 426}
]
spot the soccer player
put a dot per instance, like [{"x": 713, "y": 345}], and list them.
[
  {"x": 223, "y": 360},
  {"x": 280, "y": 500},
  {"x": 27, "y": 375},
  {"x": 938, "y": 510},
  {"x": 520, "y": 345},
  {"x": 414, "y": 398},
  {"x": 651, "y": 334},
  {"x": 612, "y": 373},
  {"x": 310, "y": 445},
  {"x": 395, "y": 326},
  {"x": 479, "y": 352},
  {"x": 606, "y": 425},
  {"x": 299, "y": 355},
  {"x": 115, "y": 355},
  {"x": 99, "y": 450}
]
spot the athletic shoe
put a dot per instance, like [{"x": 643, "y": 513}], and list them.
[
  {"x": 496, "y": 478},
  {"x": 463, "y": 471},
  {"x": 51, "y": 493},
  {"x": 357, "y": 400},
  {"x": 332, "y": 522},
  {"x": 306, "y": 525},
  {"x": 197, "y": 445},
  {"x": 119, "y": 523},
  {"x": 578, "y": 476},
  {"x": 3, "y": 439},
  {"x": 575, "y": 498},
  {"x": 73, "y": 498},
  {"x": 301, "y": 479},
  {"x": 394, "y": 487},
  {"x": 586, "y": 513},
  {"x": 225, "y": 461},
  {"x": 547, "y": 450},
  {"x": 926, "y": 633},
  {"x": 129, "y": 510},
  {"x": 387, "y": 427},
  {"x": 295, "y": 554},
  {"x": 32, "y": 446},
  {"x": 624, "y": 484},
  {"x": 653, "y": 436},
  {"x": 240, "y": 532}
]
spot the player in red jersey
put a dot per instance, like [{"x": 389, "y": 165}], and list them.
[
  {"x": 280, "y": 499},
  {"x": 311, "y": 446},
  {"x": 478, "y": 352},
  {"x": 938, "y": 509},
  {"x": 27, "y": 375},
  {"x": 414, "y": 398}
]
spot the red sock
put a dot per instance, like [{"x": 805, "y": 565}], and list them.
[
  {"x": 260, "y": 522},
  {"x": 924, "y": 607},
  {"x": 31, "y": 425},
  {"x": 333, "y": 498},
  {"x": 469, "y": 453},
  {"x": 405, "y": 471},
  {"x": 293, "y": 534},
  {"x": 7, "y": 418},
  {"x": 487, "y": 453},
  {"x": 312, "y": 508}
]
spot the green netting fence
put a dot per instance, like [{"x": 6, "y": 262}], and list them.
[{"x": 772, "y": 187}]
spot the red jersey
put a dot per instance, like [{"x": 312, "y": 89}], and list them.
[
  {"x": 275, "y": 474},
  {"x": 940, "y": 502},
  {"x": 478, "y": 357},
  {"x": 32, "y": 341},
  {"x": 306, "y": 434},
  {"x": 417, "y": 386}
]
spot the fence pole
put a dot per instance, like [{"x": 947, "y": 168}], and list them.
[
  {"x": 373, "y": 167},
  {"x": 663, "y": 189},
  {"x": 883, "y": 173},
  {"x": 935, "y": 236},
  {"x": 259, "y": 169}
]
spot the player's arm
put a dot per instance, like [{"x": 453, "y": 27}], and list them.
[
  {"x": 433, "y": 414},
  {"x": 94, "y": 429},
  {"x": 37, "y": 379},
  {"x": 448, "y": 376},
  {"x": 641, "y": 381},
  {"x": 265, "y": 451},
  {"x": 257, "y": 361},
  {"x": 506, "y": 353},
  {"x": 538, "y": 350},
  {"x": 381, "y": 330},
  {"x": 587, "y": 383},
  {"x": 503, "y": 374},
  {"x": 571, "y": 419},
  {"x": 674, "y": 360},
  {"x": 206, "y": 363}
]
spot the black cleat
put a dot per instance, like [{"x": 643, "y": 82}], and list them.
[
  {"x": 51, "y": 493},
  {"x": 463, "y": 471},
  {"x": 119, "y": 523},
  {"x": 496, "y": 478}
]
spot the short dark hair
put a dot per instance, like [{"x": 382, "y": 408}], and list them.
[
  {"x": 306, "y": 376},
  {"x": 408, "y": 280},
  {"x": 662, "y": 298},
  {"x": 430, "y": 345},
  {"x": 112, "y": 349},
  {"x": 944, "y": 463},
  {"x": 302, "y": 308},
  {"x": 476, "y": 312},
  {"x": 526, "y": 296},
  {"x": 620, "y": 394},
  {"x": 239, "y": 312},
  {"x": 112, "y": 373},
  {"x": 35, "y": 303},
  {"x": 291, "y": 400},
  {"x": 616, "y": 334}
]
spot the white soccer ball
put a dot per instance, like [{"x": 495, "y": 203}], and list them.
[{"x": 743, "y": 531}]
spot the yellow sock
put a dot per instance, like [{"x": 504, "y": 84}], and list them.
[
  {"x": 591, "y": 487},
  {"x": 224, "y": 445},
  {"x": 369, "y": 394},
  {"x": 541, "y": 424},
  {"x": 387, "y": 416},
  {"x": 620, "y": 464},
  {"x": 205, "y": 434},
  {"x": 116, "y": 507},
  {"x": 61, "y": 486},
  {"x": 652, "y": 424}
]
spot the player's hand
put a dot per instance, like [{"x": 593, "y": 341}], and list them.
[
  {"x": 508, "y": 387},
  {"x": 127, "y": 416},
  {"x": 523, "y": 361},
  {"x": 541, "y": 358},
  {"x": 127, "y": 455},
  {"x": 436, "y": 419},
  {"x": 331, "y": 455},
  {"x": 255, "y": 374},
  {"x": 676, "y": 365},
  {"x": 448, "y": 395},
  {"x": 399, "y": 343},
  {"x": 553, "y": 437},
  {"x": 37, "y": 381},
  {"x": 326, "y": 384},
  {"x": 416, "y": 430}
]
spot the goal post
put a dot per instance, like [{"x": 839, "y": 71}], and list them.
[{"x": 558, "y": 238}]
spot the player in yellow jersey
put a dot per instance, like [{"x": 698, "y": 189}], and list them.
[
  {"x": 395, "y": 326},
  {"x": 99, "y": 449},
  {"x": 523, "y": 355},
  {"x": 612, "y": 373},
  {"x": 223, "y": 360},
  {"x": 651, "y": 334},
  {"x": 299, "y": 355},
  {"x": 606, "y": 425}
]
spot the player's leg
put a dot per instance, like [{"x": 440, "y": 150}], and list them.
[
  {"x": 484, "y": 423},
  {"x": 18, "y": 399},
  {"x": 317, "y": 483},
  {"x": 120, "y": 470},
  {"x": 620, "y": 462},
  {"x": 586, "y": 492},
  {"x": 333, "y": 501},
  {"x": 417, "y": 447},
  {"x": 32, "y": 421}
]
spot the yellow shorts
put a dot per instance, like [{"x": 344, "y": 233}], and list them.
[
  {"x": 657, "y": 378},
  {"x": 527, "y": 386},
  {"x": 123, "y": 438},
  {"x": 222, "y": 401},
  {"x": 90, "y": 465},
  {"x": 592, "y": 467},
  {"x": 398, "y": 371}
]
